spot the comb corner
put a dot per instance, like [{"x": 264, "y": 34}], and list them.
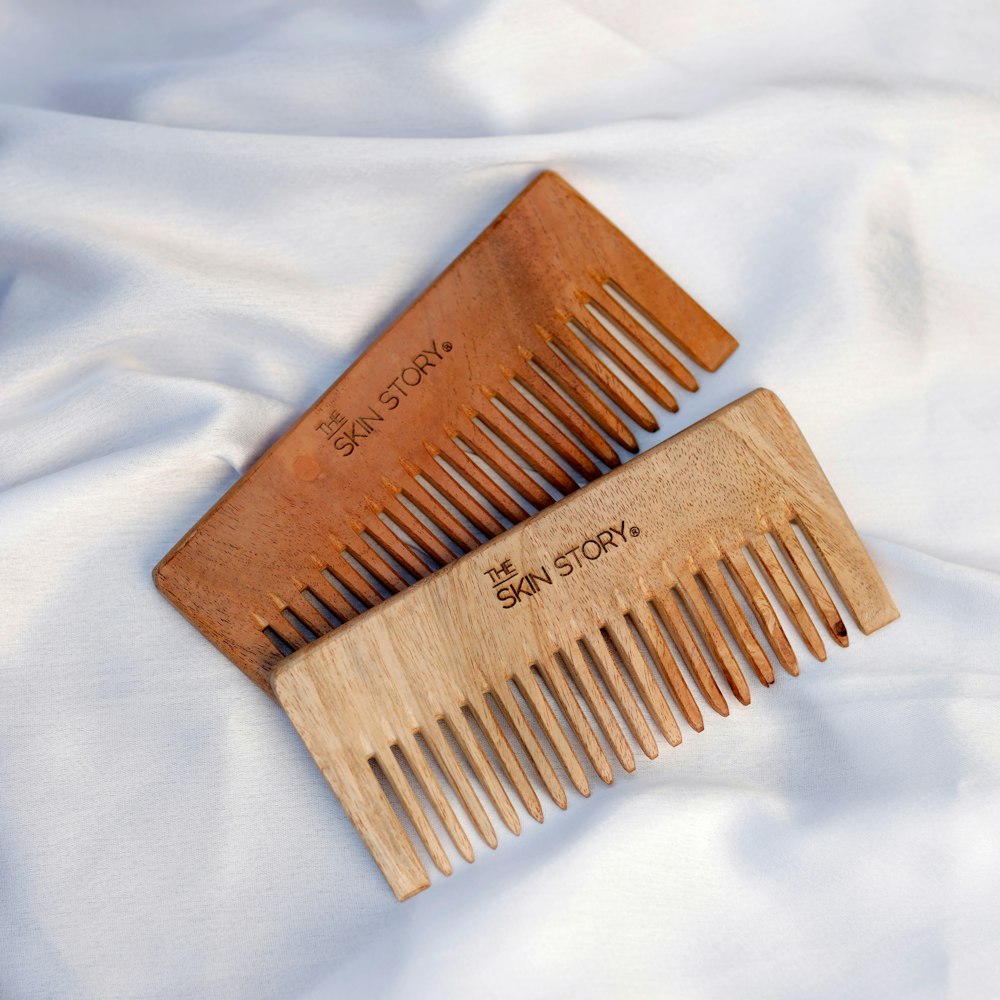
[
  {"x": 159, "y": 574},
  {"x": 890, "y": 613}
]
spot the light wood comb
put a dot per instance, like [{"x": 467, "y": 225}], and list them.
[
  {"x": 565, "y": 613},
  {"x": 377, "y": 484}
]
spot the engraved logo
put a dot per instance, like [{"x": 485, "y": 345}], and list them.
[
  {"x": 349, "y": 432},
  {"x": 512, "y": 586}
]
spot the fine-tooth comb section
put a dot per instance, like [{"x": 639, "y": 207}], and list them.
[
  {"x": 595, "y": 628},
  {"x": 493, "y": 395}
]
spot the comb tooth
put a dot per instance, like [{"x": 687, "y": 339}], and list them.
[
  {"x": 459, "y": 495},
  {"x": 394, "y": 545},
  {"x": 474, "y": 439},
  {"x": 515, "y": 718},
  {"x": 414, "y": 755},
  {"x": 283, "y": 627},
  {"x": 814, "y": 586},
  {"x": 299, "y": 606},
  {"x": 671, "y": 616},
  {"x": 645, "y": 684},
  {"x": 787, "y": 595},
  {"x": 486, "y": 486},
  {"x": 351, "y": 578},
  {"x": 574, "y": 421},
  {"x": 452, "y": 769},
  {"x": 680, "y": 318},
  {"x": 599, "y": 333},
  {"x": 622, "y": 696},
  {"x": 587, "y": 684},
  {"x": 411, "y": 804},
  {"x": 373, "y": 561},
  {"x": 571, "y": 709},
  {"x": 433, "y": 509},
  {"x": 329, "y": 594},
  {"x": 726, "y": 603},
  {"x": 559, "y": 371},
  {"x": 418, "y": 531},
  {"x": 498, "y": 422},
  {"x": 677, "y": 370},
  {"x": 611, "y": 385},
  {"x": 571, "y": 453},
  {"x": 534, "y": 696},
  {"x": 757, "y": 599},
  {"x": 492, "y": 731},
  {"x": 653, "y": 639},
  {"x": 483, "y": 770},
  {"x": 384, "y": 834},
  {"x": 702, "y": 616}
]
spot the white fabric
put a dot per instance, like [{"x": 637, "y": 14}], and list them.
[{"x": 207, "y": 210}]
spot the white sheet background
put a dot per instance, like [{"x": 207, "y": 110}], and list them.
[{"x": 207, "y": 210}]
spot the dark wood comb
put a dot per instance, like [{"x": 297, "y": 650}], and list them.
[
  {"x": 495, "y": 375},
  {"x": 593, "y": 601}
]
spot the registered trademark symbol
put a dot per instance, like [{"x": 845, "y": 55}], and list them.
[
  {"x": 634, "y": 532},
  {"x": 446, "y": 346}
]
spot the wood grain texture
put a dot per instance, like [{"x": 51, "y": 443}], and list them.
[
  {"x": 571, "y": 597},
  {"x": 337, "y": 511}
]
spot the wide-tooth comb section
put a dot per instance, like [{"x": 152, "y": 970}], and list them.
[
  {"x": 435, "y": 511},
  {"x": 595, "y": 700},
  {"x": 598, "y": 332},
  {"x": 557, "y": 684},
  {"x": 413, "y": 809},
  {"x": 651, "y": 695},
  {"x": 530, "y": 314},
  {"x": 483, "y": 770},
  {"x": 415, "y": 528},
  {"x": 763, "y": 611},
  {"x": 445, "y": 481},
  {"x": 580, "y": 609},
  {"x": 502, "y": 748},
  {"x": 677, "y": 628},
  {"x": 557, "y": 439},
  {"x": 531, "y": 383},
  {"x": 597, "y": 652},
  {"x": 789, "y": 599},
  {"x": 738, "y": 625},
  {"x": 560, "y": 373},
  {"x": 608, "y": 382},
  {"x": 605, "y": 305},
  {"x": 511, "y": 711},
  {"x": 460, "y": 783},
  {"x": 505, "y": 429},
  {"x": 653, "y": 639}
]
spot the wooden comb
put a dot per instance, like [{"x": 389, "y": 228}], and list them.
[
  {"x": 568, "y": 610},
  {"x": 377, "y": 484}
]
